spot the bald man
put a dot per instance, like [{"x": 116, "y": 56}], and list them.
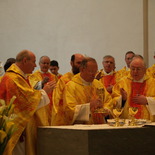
[
  {"x": 29, "y": 104},
  {"x": 135, "y": 91},
  {"x": 57, "y": 111}
]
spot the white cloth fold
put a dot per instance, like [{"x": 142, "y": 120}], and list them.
[
  {"x": 44, "y": 99},
  {"x": 81, "y": 112},
  {"x": 151, "y": 105}
]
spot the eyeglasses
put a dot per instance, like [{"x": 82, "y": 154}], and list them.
[{"x": 138, "y": 69}]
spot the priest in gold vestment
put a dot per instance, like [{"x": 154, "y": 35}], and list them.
[
  {"x": 29, "y": 104},
  {"x": 84, "y": 94},
  {"x": 57, "y": 111},
  {"x": 136, "y": 90},
  {"x": 125, "y": 71},
  {"x": 151, "y": 71},
  {"x": 41, "y": 77},
  {"x": 108, "y": 76}
]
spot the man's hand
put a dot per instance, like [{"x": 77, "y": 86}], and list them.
[
  {"x": 44, "y": 81},
  {"x": 109, "y": 88},
  {"x": 49, "y": 86},
  {"x": 140, "y": 99},
  {"x": 124, "y": 94},
  {"x": 95, "y": 103}
]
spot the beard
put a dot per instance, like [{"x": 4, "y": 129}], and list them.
[{"x": 75, "y": 70}]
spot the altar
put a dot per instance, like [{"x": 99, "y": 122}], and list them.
[{"x": 96, "y": 140}]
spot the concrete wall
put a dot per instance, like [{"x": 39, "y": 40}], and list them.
[{"x": 59, "y": 28}]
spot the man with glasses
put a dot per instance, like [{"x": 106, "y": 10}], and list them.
[
  {"x": 84, "y": 94},
  {"x": 135, "y": 91}
]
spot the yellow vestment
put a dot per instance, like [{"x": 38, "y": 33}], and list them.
[
  {"x": 57, "y": 111},
  {"x": 151, "y": 71},
  {"x": 59, "y": 75},
  {"x": 39, "y": 76},
  {"x": 0, "y": 78},
  {"x": 128, "y": 85},
  {"x": 123, "y": 72},
  {"x": 28, "y": 117},
  {"x": 109, "y": 79},
  {"x": 77, "y": 93}
]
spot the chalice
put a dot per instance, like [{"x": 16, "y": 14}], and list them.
[
  {"x": 132, "y": 112},
  {"x": 117, "y": 112},
  {"x": 98, "y": 116}
]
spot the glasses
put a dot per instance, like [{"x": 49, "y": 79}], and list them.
[{"x": 138, "y": 69}]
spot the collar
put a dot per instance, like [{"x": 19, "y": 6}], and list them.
[
  {"x": 21, "y": 72},
  {"x": 140, "y": 81},
  {"x": 44, "y": 72},
  {"x": 145, "y": 77},
  {"x": 85, "y": 83}
]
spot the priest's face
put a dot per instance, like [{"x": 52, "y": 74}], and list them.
[
  {"x": 108, "y": 64},
  {"x": 76, "y": 63},
  {"x": 88, "y": 73},
  {"x": 54, "y": 69},
  {"x": 128, "y": 59},
  {"x": 44, "y": 64},
  {"x": 30, "y": 64},
  {"x": 138, "y": 69}
]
